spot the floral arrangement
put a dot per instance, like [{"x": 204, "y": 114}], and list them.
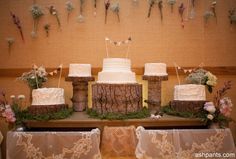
[
  {"x": 107, "y": 5},
  {"x": 116, "y": 9},
  {"x": 219, "y": 111},
  {"x": 54, "y": 12},
  {"x": 35, "y": 78},
  {"x": 69, "y": 9},
  {"x": 10, "y": 42},
  {"x": 81, "y": 17},
  {"x": 151, "y": 4},
  {"x": 171, "y": 3},
  {"x": 36, "y": 13},
  {"x": 95, "y": 7},
  {"x": 181, "y": 13},
  {"x": 201, "y": 76},
  {"x": 210, "y": 13},
  {"x": 47, "y": 29},
  {"x": 160, "y": 6},
  {"x": 17, "y": 22},
  {"x": 232, "y": 16},
  {"x": 5, "y": 109}
]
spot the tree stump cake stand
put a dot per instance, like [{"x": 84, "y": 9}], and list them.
[
  {"x": 116, "y": 98},
  {"x": 154, "y": 92},
  {"x": 80, "y": 92}
]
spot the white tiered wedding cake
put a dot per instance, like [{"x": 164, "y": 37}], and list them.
[
  {"x": 48, "y": 96},
  {"x": 116, "y": 70},
  {"x": 80, "y": 70},
  {"x": 190, "y": 92},
  {"x": 155, "y": 69}
]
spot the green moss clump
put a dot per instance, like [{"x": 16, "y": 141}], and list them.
[{"x": 144, "y": 113}]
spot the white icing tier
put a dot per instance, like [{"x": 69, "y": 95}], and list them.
[
  {"x": 116, "y": 70},
  {"x": 48, "y": 96},
  {"x": 190, "y": 92},
  {"x": 79, "y": 70},
  {"x": 155, "y": 69}
]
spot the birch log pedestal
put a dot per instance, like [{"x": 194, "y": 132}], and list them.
[
  {"x": 154, "y": 92},
  {"x": 80, "y": 92}
]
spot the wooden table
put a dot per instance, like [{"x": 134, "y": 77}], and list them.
[{"x": 81, "y": 120}]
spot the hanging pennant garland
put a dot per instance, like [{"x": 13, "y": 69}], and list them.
[
  {"x": 17, "y": 22},
  {"x": 181, "y": 13},
  {"x": 54, "y": 72}
]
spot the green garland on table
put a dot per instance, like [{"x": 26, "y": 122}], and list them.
[
  {"x": 144, "y": 113},
  {"x": 23, "y": 115}
]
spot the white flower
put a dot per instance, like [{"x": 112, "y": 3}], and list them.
[
  {"x": 211, "y": 79},
  {"x": 209, "y": 116},
  {"x": 155, "y": 117},
  {"x": 54, "y": 13},
  {"x": 21, "y": 96},
  {"x": 12, "y": 96},
  {"x": 209, "y": 106}
]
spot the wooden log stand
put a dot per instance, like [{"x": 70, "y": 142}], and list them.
[
  {"x": 80, "y": 92},
  {"x": 116, "y": 98},
  {"x": 154, "y": 92}
]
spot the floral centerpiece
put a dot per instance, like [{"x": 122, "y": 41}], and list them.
[
  {"x": 220, "y": 109},
  {"x": 35, "y": 78},
  {"x": 5, "y": 109},
  {"x": 201, "y": 76}
]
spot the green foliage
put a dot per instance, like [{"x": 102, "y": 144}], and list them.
[
  {"x": 144, "y": 113},
  {"x": 23, "y": 115}
]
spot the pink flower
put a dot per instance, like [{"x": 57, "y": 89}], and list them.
[
  {"x": 9, "y": 114},
  {"x": 226, "y": 106}
]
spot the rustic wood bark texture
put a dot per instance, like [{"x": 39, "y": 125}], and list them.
[
  {"x": 80, "y": 92},
  {"x": 45, "y": 109},
  {"x": 154, "y": 92},
  {"x": 116, "y": 98},
  {"x": 187, "y": 106}
]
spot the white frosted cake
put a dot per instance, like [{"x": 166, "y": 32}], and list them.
[
  {"x": 48, "y": 96},
  {"x": 116, "y": 70},
  {"x": 155, "y": 69},
  {"x": 190, "y": 92},
  {"x": 79, "y": 70}
]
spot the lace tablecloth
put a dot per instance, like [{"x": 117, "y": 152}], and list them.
[
  {"x": 184, "y": 144},
  {"x": 53, "y": 145}
]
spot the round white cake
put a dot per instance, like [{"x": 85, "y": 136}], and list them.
[
  {"x": 79, "y": 70},
  {"x": 116, "y": 70},
  {"x": 190, "y": 92},
  {"x": 155, "y": 69},
  {"x": 48, "y": 96}
]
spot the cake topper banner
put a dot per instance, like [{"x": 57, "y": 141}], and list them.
[
  {"x": 177, "y": 68},
  {"x": 54, "y": 72},
  {"x": 118, "y": 43}
]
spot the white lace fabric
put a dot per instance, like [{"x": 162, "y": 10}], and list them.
[
  {"x": 53, "y": 145},
  {"x": 182, "y": 144}
]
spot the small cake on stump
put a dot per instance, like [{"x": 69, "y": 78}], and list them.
[
  {"x": 154, "y": 73},
  {"x": 116, "y": 90},
  {"x": 188, "y": 98},
  {"x": 47, "y": 100},
  {"x": 80, "y": 75}
]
